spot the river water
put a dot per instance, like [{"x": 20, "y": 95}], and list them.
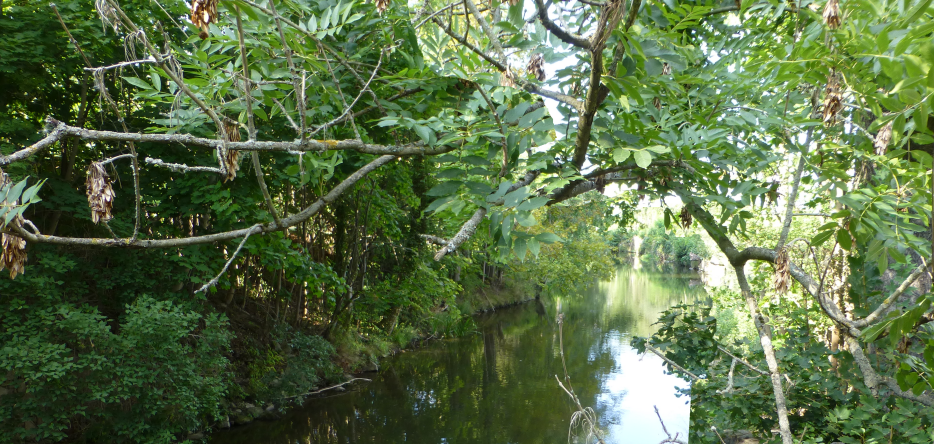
[{"x": 499, "y": 387}]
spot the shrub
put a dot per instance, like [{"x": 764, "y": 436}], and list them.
[{"x": 65, "y": 372}]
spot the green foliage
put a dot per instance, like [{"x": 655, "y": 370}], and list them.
[
  {"x": 65, "y": 371},
  {"x": 660, "y": 247},
  {"x": 294, "y": 364}
]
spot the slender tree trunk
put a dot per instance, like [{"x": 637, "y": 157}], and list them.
[{"x": 765, "y": 338}]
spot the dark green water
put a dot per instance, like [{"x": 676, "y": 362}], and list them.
[{"x": 498, "y": 386}]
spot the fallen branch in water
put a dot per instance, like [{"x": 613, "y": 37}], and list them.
[
  {"x": 584, "y": 417},
  {"x": 327, "y": 388},
  {"x": 669, "y": 439}
]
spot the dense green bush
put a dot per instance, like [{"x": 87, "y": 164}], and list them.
[{"x": 65, "y": 370}]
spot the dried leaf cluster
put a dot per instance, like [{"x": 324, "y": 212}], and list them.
[
  {"x": 381, "y": 5},
  {"x": 507, "y": 78},
  {"x": 13, "y": 256},
  {"x": 686, "y": 219},
  {"x": 203, "y": 13},
  {"x": 833, "y": 101},
  {"x": 108, "y": 14},
  {"x": 782, "y": 272},
  {"x": 832, "y": 16},
  {"x": 100, "y": 193},
  {"x": 232, "y": 159},
  {"x": 13, "y": 253},
  {"x": 883, "y": 138},
  {"x": 536, "y": 67}
]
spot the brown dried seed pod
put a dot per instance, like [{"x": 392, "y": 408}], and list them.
[
  {"x": 883, "y": 137},
  {"x": 203, "y": 13},
  {"x": 507, "y": 78},
  {"x": 833, "y": 102},
  {"x": 100, "y": 193},
  {"x": 381, "y": 5},
  {"x": 536, "y": 67},
  {"x": 782, "y": 272},
  {"x": 13, "y": 255},
  {"x": 232, "y": 159},
  {"x": 666, "y": 69},
  {"x": 657, "y": 103},
  {"x": 108, "y": 14},
  {"x": 832, "y": 14},
  {"x": 686, "y": 219}
]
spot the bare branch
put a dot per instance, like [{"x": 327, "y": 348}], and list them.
[
  {"x": 437, "y": 240},
  {"x": 670, "y": 439},
  {"x": 470, "y": 227},
  {"x": 296, "y": 84},
  {"x": 789, "y": 210},
  {"x": 61, "y": 130},
  {"x": 181, "y": 168},
  {"x": 494, "y": 40},
  {"x": 151, "y": 59},
  {"x": 56, "y": 131},
  {"x": 213, "y": 282},
  {"x": 565, "y": 36},
  {"x": 289, "y": 221},
  {"x": 669, "y": 361}
]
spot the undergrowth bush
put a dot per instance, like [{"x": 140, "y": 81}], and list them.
[{"x": 64, "y": 370}]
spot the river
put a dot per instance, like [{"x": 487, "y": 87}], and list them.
[{"x": 498, "y": 386}]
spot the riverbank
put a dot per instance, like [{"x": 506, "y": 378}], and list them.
[
  {"x": 359, "y": 356},
  {"x": 479, "y": 388}
]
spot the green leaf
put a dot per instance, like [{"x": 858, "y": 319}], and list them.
[
  {"x": 423, "y": 132},
  {"x": 821, "y": 237},
  {"x": 844, "y": 239},
  {"x": 643, "y": 158},
  {"x": 535, "y": 246},
  {"x": 137, "y": 82},
  {"x": 512, "y": 199},
  {"x": 445, "y": 188},
  {"x": 548, "y": 238},
  {"x": 533, "y": 203},
  {"x": 621, "y": 154},
  {"x": 520, "y": 247}
]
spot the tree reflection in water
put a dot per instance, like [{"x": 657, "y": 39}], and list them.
[{"x": 498, "y": 386}]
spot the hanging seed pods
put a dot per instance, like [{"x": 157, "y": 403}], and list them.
[
  {"x": 13, "y": 255},
  {"x": 232, "y": 159},
  {"x": 507, "y": 78},
  {"x": 108, "y": 14},
  {"x": 833, "y": 101},
  {"x": 657, "y": 103},
  {"x": 381, "y": 5},
  {"x": 686, "y": 219},
  {"x": 203, "y": 13},
  {"x": 832, "y": 14},
  {"x": 883, "y": 137},
  {"x": 536, "y": 67},
  {"x": 782, "y": 272},
  {"x": 12, "y": 248},
  {"x": 100, "y": 193}
]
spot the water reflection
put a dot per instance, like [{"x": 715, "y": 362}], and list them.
[{"x": 499, "y": 386}]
